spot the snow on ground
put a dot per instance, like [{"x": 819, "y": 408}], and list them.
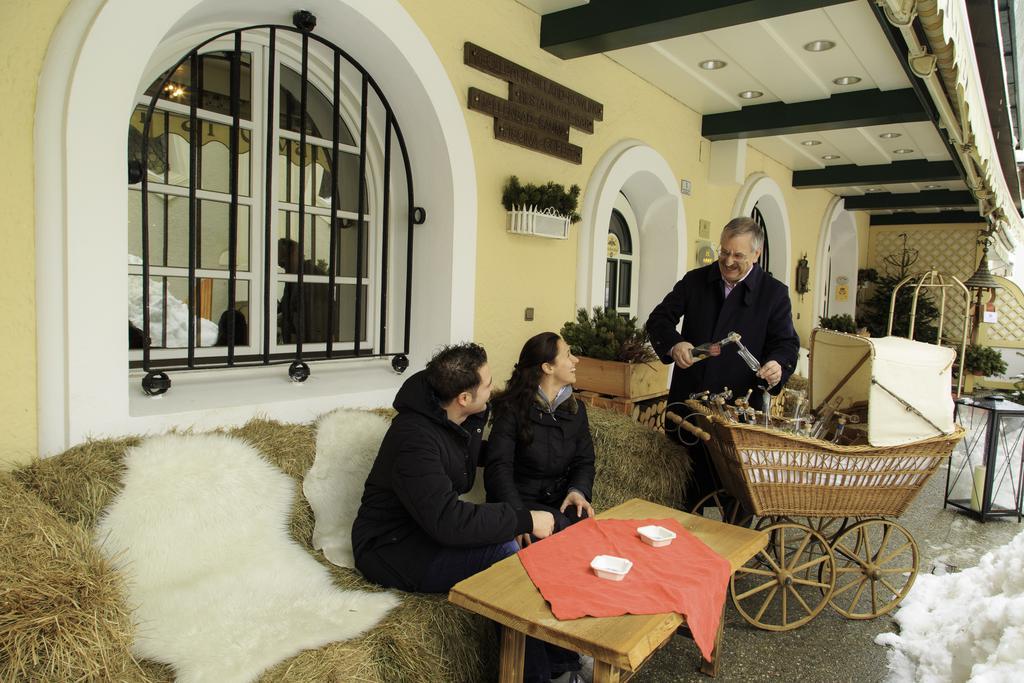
[{"x": 965, "y": 626}]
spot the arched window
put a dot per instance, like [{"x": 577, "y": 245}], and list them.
[
  {"x": 765, "y": 250},
  {"x": 270, "y": 211},
  {"x": 621, "y": 267}
]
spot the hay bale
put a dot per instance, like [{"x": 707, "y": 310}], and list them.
[
  {"x": 292, "y": 447},
  {"x": 79, "y": 482},
  {"x": 634, "y": 461},
  {"x": 63, "y": 614}
]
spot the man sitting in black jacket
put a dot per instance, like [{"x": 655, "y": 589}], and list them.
[{"x": 412, "y": 532}]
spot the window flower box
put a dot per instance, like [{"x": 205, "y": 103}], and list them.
[{"x": 541, "y": 223}]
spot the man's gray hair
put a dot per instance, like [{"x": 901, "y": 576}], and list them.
[{"x": 745, "y": 226}]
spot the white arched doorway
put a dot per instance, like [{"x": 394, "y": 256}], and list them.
[
  {"x": 835, "y": 282},
  {"x": 97, "y": 58},
  {"x": 761, "y": 191},
  {"x": 637, "y": 172}
]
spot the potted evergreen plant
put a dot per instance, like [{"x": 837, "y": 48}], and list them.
[
  {"x": 615, "y": 355},
  {"x": 984, "y": 361}
]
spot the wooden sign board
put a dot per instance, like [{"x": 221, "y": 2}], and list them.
[{"x": 538, "y": 112}]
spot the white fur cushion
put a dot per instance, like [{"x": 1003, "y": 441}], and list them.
[
  {"x": 220, "y": 590},
  {"x": 347, "y": 442}
]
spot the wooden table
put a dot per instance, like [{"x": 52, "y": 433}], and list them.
[{"x": 619, "y": 645}]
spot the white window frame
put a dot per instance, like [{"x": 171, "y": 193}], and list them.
[{"x": 629, "y": 217}]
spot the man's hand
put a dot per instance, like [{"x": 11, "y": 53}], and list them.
[
  {"x": 770, "y": 372},
  {"x": 523, "y": 540},
  {"x": 543, "y": 523},
  {"x": 576, "y": 498},
  {"x": 681, "y": 354}
]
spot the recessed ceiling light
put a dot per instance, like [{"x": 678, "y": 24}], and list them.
[
  {"x": 810, "y": 143},
  {"x": 830, "y": 157},
  {"x": 846, "y": 80},
  {"x": 819, "y": 45},
  {"x": 903, "y": 150},
  {"x": 889, "y": 136},
  {"x": 751, "y": 94},
  {"x": 712, "y": 64},
  {"x": 931, "y": 187},
  {"x": 874, "y": 189}
]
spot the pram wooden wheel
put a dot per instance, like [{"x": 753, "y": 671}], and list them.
[
  {"x": 876, "y": 564},
  {"x": 722, "y": 507},
  {"x": 789, "y": 582}
]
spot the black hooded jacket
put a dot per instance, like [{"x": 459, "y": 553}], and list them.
[
  {"x": 560, "y": 457},
  {"x": 410, "y": 507}
]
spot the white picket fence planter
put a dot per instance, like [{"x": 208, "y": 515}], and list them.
[{"x": 546, "y": 223}]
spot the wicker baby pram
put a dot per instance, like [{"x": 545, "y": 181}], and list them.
[{"x": 825, "y": 505}]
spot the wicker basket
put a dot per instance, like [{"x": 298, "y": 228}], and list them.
[{"x": 777, "y": 473}]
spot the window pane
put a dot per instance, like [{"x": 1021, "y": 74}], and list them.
[
  {"x": 318, "y": 178},
  {"x": 215, "y": 160},
  {"x": 213, "y": 84},
  {"x": 610, "y": 280},
  {"x": 625, "y": 283},
  {"x": 170, "y": 294},
  {"x": 317, "y": 245},
  {"x": 212, "y": 235},
  {"x": 319, "y": 109},
  {"x": 617, "y": 226},
  {"x": 218, "y": 297},
  {"x": 314, "y": 304},
  {"x": 168, "y": 150}
]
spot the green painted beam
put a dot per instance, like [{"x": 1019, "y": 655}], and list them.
[
  {"x": 845, "y": 110},
  {"x": 911, "y": 200},
  {"x": 941, "y": 218},
  {"x": 847, "y": 175},
  {"x": 603, "y": 25}
]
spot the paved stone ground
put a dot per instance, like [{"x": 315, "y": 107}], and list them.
[{"x": 831, "y": 648}]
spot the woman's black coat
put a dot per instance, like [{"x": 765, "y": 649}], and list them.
[{"x": 560, "y": 457}]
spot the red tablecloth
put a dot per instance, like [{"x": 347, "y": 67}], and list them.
[{"x": 685, "y": 576}]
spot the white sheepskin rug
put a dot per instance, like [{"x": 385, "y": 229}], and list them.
[
  {"x": 347, "y": 442},
  {"x": 220, "y": 590}
]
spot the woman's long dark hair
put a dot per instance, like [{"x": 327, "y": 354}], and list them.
[{"x": 521, "y": 387}]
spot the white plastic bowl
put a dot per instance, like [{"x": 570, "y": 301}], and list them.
[
  {"x": 611, "y": 567},
  {"x": 656, "y": 536}
]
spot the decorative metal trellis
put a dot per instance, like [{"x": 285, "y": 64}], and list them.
[{"x": 154, "y": 158}]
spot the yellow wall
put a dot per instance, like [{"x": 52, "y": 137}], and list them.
[
  {"x": 515, "y": 272},
  {"x": 25, "y": 29},
  {"x": 512, "y": 272}
]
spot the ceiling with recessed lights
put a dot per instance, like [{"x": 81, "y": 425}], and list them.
[{"x": 817, "y": 85}]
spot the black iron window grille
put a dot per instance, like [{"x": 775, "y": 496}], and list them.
[
  {"x": 271, "y": 210},
  {"x": 765, "y": 258}
]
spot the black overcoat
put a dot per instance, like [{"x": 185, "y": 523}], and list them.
[
  {"x": 758, "y": 309},
  {"x": 560, "y": 456},
  {"x": 410, "y": 507}
]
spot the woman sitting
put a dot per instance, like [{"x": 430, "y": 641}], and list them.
[{"x": 540, "y": 455}]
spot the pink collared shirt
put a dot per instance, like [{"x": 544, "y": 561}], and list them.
[{"x": 730, "y": 287}]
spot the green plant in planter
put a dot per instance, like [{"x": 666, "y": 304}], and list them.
[
  {"x": 540, "y": 197},
  {"x": 984, "y": 361},
  {"x": 839, "y": 323},
  {"x": 605, "y": 335}
]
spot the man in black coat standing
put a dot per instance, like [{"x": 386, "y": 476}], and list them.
[{"x": 732, "y": 295}]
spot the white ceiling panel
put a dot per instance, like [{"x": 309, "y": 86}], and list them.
[
  {"x": 857, "y": 146},
  {"x": 669, "y": 73},
  {"x": 859, "y": 28},
  {"x": 756, "y": 48}
]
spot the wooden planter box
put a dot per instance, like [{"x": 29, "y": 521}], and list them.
[{"x": 630, "y": 380}]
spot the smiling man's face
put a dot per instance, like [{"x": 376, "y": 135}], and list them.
[{"x": 736, "y": 256}]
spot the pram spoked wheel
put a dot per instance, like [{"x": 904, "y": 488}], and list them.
[
  {"x": 789, "y": 582},
  {"x": 876, "y": 564}
]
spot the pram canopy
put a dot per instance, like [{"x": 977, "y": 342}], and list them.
[{"x": 905, "y": 383}]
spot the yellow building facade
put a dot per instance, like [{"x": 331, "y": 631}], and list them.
[{"x": 489, "y": 292}]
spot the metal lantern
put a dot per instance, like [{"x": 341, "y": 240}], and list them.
[{"x": 986, "y": 469}]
